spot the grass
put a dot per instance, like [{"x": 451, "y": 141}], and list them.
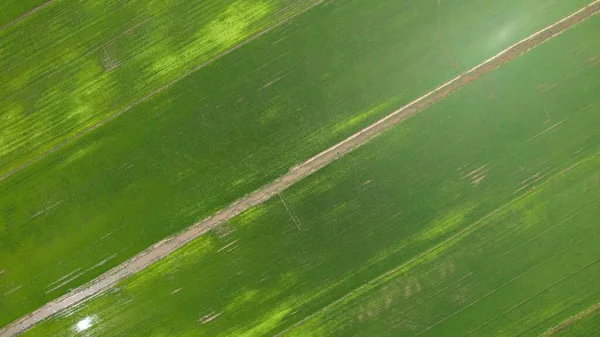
[
  {"x": 13, "y": 9},
  {"x": 84, "y": 61},
  {"x": 464, "y": 219},
  {"x": 516, "y": 273},
  {"x": 586, "y": 325},
  {"x": 222, "y": 131}
]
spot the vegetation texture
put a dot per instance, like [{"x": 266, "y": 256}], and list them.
[
  {"x": 201, "y": 126},
  {"x": 477, "y": 217},
  {"x": 84, "y": 61},
  {"x": 586, "y": 323},
  {"x": 11, "y": 11}
]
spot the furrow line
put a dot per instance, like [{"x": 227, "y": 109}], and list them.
[{"x": 572, "y": 320}]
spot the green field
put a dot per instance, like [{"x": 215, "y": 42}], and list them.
[
  {"x": 584, "y": 326},
  {"x": 222, "y": 131},
  {"x": 478, "y": 216},
  {"x": 84, "y": 60},
  {"x": 13, "y": 9}
]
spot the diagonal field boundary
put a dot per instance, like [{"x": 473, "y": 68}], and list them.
[
  {"x": 24, "y": 16},
  {"x": 165, "y": 247},
  {"x": 571, "y": 320}
]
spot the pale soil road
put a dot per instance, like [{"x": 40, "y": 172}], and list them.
[
  {"x": 163, "y": 248},
  {"x": 24, "y": 16},
  {"x": 572, "y": 320}
]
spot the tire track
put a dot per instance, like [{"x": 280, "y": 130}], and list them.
[
  {"x": 493, "y": 260},
  {"x": 441, "y": 246},
  {"x": 515, "y": 306},
  {"x": 587, "y": 297}
]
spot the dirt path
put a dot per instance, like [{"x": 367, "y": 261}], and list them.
[
  {"x": 24, "y": 16},
  {"x": 297, "y": 173},
  {"x": 572, "y": 320}
]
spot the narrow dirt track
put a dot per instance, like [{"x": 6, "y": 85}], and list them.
[
  {"x": 163, "y": 248},
  {"x": 572, "y": 320},
  {"x": 24, "y": 16}
]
